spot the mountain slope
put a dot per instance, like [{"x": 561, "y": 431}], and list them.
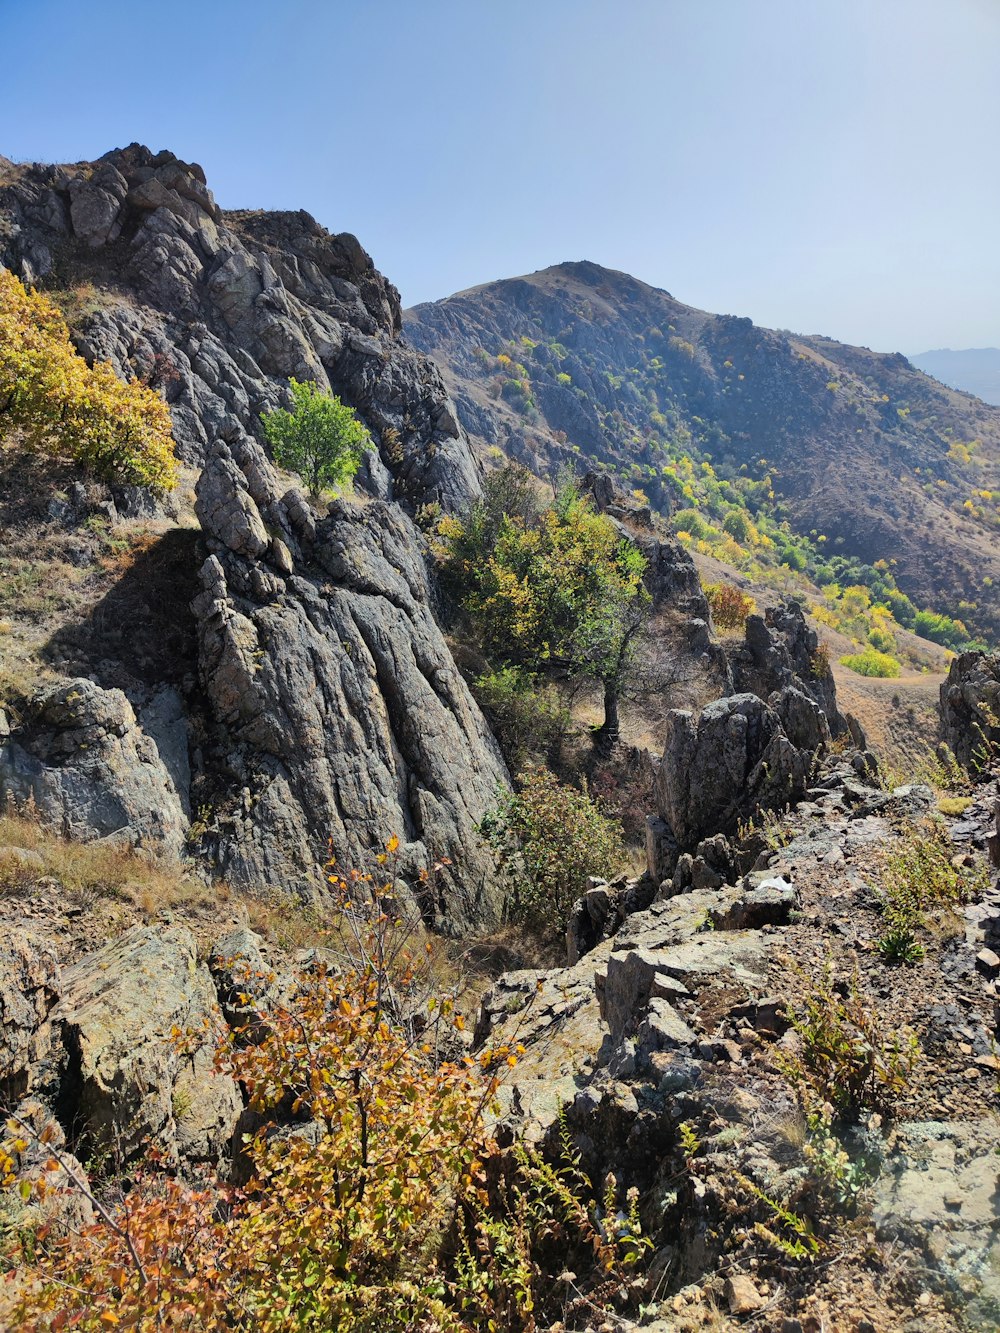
[
  {"x": 973, "y": 370},
  {"x": 579, "y": 360}
]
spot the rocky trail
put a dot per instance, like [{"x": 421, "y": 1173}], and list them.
[{"x": 681, "y": 1018}]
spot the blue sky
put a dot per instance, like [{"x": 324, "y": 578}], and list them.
[{"x": 826, "y": 167}]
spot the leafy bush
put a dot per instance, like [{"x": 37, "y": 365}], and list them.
[
  {"x": 341, "y": 1225},
  {"x": 377, "y": 1201},
  {"x": 62, "y": 406},
  {"x": 848, "y": 1057},
  {"x": 321, "y": 438},
  {"x": 916, "y": 875},
  {"x": 882, "y": 639},
  {"x": 527, "y": 717},
  {"x": 730, "y": 607},
  {"x": 535, "y": 1218},
  {"x": 871, "y": 662},
  {"x": 560, "y": 836},
  {"x": 940, "y": 629}
]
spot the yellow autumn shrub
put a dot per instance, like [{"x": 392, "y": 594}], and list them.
[{"x": 61, "y": 406}]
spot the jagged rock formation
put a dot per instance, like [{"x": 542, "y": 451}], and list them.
[
  {"x": 29, "y": 987},
  {"x": 970, "y": 710},
  {"x": 751, "y": 750},
  {"x": 330, "y": 707},
  {"x": 220, "y": 309},
  {"x": 341, "y": 714},
  {"x": 674, "y": 1017},
  {"x": 780, "y": 651},
  {"x": 727, "y": 762},
  {"x": 613, "y": 367}
]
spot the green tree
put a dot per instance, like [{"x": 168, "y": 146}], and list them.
[
  {"x": 552, "y": 837},
  {"x": 557, "y": 587},
  {"x": 321, "y": 438}
]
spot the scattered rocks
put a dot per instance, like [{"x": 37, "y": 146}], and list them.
[{"x": 742, "y": 1296}]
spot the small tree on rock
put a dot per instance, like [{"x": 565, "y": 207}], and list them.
[{"x": 321, "y": 438}]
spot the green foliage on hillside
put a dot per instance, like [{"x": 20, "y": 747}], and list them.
[
  {"x": 543, "y": 587},
  {"x": 871, "y": 663},
  {"x": 559, "y": 836},
  {"x": 321, "y": 438},
  {"x": 61, "y": 406},
  {"x": 669, "y": 422}
]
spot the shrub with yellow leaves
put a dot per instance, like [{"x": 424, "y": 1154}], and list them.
[
  {"x": 62, "y": 406},
  {"x": 378, "y": 1199}
]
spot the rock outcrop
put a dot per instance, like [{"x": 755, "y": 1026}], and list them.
[
  {"x": 970, "y": 710},
  {"x": 90, "y": 768},
  {"x": 128, "y": 1083},
  {"x": 331, "y": 712},
  {"x": 719, "y": 766},
  {"x": 780, "y": 651},
  {"x": 29, "y": 987},
  {"x": 220, "y": 309},
  {"x": 342, "y": 719}
]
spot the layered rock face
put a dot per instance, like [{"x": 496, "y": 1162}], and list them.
[
  {"x": 970, "y": 710},
  {"x": 330, "y": 713},
  {"x": 220, "y": 309},
  {"x": 342, "y": 715}
]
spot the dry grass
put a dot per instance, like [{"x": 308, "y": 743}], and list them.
[{"x": 89, "y": 871}]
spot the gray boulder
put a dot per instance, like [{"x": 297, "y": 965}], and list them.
[
  {"x": 127, "y": 1084},
  {"x": 92, "y": 771}
]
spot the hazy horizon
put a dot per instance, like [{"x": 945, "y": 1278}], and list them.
[{"x": 827, "y": 170}]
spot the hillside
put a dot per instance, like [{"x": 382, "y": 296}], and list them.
[
  {"x": 577, "y": 361},
  {"x": 972, "y": 369},
  {"x": 357, "y": 972}
]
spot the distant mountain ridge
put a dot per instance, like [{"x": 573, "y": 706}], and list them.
[
  {"x": 971, "y": 369},
  {"x": 581, "y": 363}
]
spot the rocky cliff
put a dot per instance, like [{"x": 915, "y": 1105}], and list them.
[{"x": 324, "y": 710}]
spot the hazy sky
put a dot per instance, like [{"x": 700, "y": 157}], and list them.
[{"x": 825, "y": 167}]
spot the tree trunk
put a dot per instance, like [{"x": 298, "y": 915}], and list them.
[{"x": 610, "y": 732}]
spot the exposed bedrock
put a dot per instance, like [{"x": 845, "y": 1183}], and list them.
[
  {"x": 342, "y": 718},
  {"x": 970, "y": 710},
  {"x": 220, "y": 309}
]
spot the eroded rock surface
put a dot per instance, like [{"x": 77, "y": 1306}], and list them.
[
  {"x": 341, "y": 712},
  {"x": 220, "y": 309},
  {"x": 127, "y": 1083},
  {"x": 91, "y": 769},
  {"x": 970, "y": 709}
]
